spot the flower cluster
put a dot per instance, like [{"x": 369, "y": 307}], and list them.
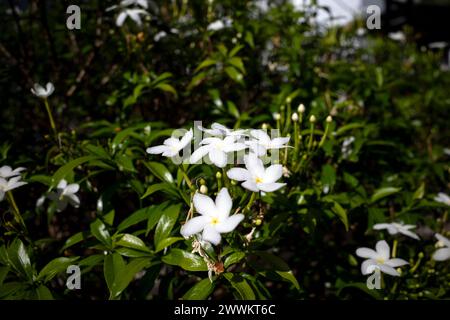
[
  {"x": 218, "y": 144},
  {"x": 10, "y": 179}
]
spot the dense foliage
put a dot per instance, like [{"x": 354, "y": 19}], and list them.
[{"x": 367, "y": 118}]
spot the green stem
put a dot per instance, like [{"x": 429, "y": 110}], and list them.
[
  {"x": 186, "y": 178},
  {"x": 50, "y": 117},
  {"x": 296, "y": 141},
  {"x": 311, "y": 136},
  {"x": 250, "y": 201},
  {"x": 394, "y": 248},
  {"x": 322, "y": 141},
  {"x": 17, "y": 215},
  {"x": 226, "y": 181}
]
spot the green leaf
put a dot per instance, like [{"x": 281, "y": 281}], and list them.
[
  {"x": 164, "y": 243},
  {"x": 43, "y": 293},
  {"x": 233, "y": 258},
  {"x": 383, "y": 192},
  {"x": 186, "y": 260},
  {"x": 163, "y": 186},
  {"x": 19, "y": 259},
  {"x": 113, "y": 267},
  {"x": 167, "y": 88},
  {"x": 245, "y": 292},
  {"x": 328, "y": 177},
  {"x": 73, "y": 240},
  {"x": 237, "y": 63},
  {"x": 160, "y": 171},
  {"x": 200, "y": 291},
  {"x": 54, "y": 267},
  {"x": 124, "y": 277},
  {"x": 130, "y": 241},
  {"x": 63, "y": 171},
  {"x": 98, "y": 230},
  {"x": 420, "y": 192},
  {"x": 166, "y": 223},
  {"x": 205, "y": 63},
  {"x": 234, "y": 74},
  {"x": 3, "y": 272},
  {"x": 135, "y": 218},
  {"x": 341, "y": 213}
]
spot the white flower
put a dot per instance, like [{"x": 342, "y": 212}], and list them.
[
  {"x": 379, "y": 259},
  {"x": 134, "y": 14},
  {"x": 219, "y": 24},
  {"x": 65, "y": 194},
  {"x": 172, "y": 146},
  {"x": 256, "y": 178},
  {"x": 8, "y": 185},
  {"x": 219, "y": 130},
  {"x": 42, "y": 92},
  {"x": 214, "y": 218},
  {"x": 442, "y": 198},
  {"x": 444, "y": 252},
  {"x": 262, "y": 142},
  {"x": 8, "y": 172},
  {"x": 127, "y": 3},
  {"x": 394, "y": 228},
  {"x": 216, "y": 149}
]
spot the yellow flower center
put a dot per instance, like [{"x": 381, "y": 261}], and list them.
[
  {"x": 380, "y": 260},
  {"x": 214, "y": 221},
  {"x": 258, "y": 180}
]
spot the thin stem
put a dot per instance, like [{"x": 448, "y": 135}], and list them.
[
  {"x": 225, "y": 178},
  {"x": 325, "y": 135},
  {"x": 250, "y": 201},
  {"x": 17, "y": 215},
  {"x": 296, "y": 141},
  {"x": 186, "y": 178},
  {"x": 311, "y": 136},
  {"x": 394, "y": 248},
  {"x": 50, "y": 117}
]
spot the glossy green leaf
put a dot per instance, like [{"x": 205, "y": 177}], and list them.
[
  {"x": 186, "y": 260},
  {"x": 200, "y": 291}
]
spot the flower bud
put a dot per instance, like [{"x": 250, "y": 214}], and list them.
[
  {"x": 301, "y": 108},
  {"x": 329, "y": 119},
  {"x": 294, "y": 117},
  {"x": 258, "y": 222},
  {"x": 203, "y": 189},
  {"x": 276, "y": 116},
  {"x": 202, "y": 181},
  {"x": 219, "y": 175},
  {"x": 265, "y": 126},
  {"x": 312, "y": 119},
  {"x": 288, "y": 100}
]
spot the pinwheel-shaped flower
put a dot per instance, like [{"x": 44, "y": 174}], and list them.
[
  {"x": 394, "y": 228},
  {"x": 9, "y": 184},
  {"x": 134, "y": 14},
  {"x": 443, "y": 253},
  {"x": 257, "y": 178},
  {"x": 65, "y": 194},
  {"x": 379, "y": 259},
  {"x": 217, "y": 149},
  {"x": 214, "y": 217},
  {"x": 41, "y": 92},
  {"x": 172, "y": 146},
  {"x": 262, "y": 142},
  {"x": 7, "y": 172}
]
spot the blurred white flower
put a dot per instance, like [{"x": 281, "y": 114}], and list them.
[
  {"x": 394, "y": 228},
  {"x": 127, "y": 3},
  {"x": 172, "y": 146},
  {"x": 218, "y": 129},
  {"x": 257, "y": 178},
  {"x": 8, "y": 172},
  {"x": 379, "y": 259},
  {"x": 217, "y": 149},
  {"x": 8, "y": 185},
  {"x": 443, "y": 253},
  {"x": 214, "y": 218},
  {"x": 442, "y": 198},
  {"x": 346, "y": 148},
  {"x": 262, "y": 142},
  {"x": 134, "y": 14},
  {"x": 219, "y": 24},
  {"x": 42, "y": 92},
  {"x": 65, "y": 194}
]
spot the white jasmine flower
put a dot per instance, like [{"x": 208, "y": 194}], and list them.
[
  {"x": 134, "y": 14},
  {"x": 65, "y": 194},
  {"x": 379, "y": 259},
  {"x": 442, "y": 198},
  {"x": 8, "y": 185},
  {"x": 262, "y": 142},
  {"x": 8, "y": 172},
  {"x": 444, "y": 252},
  {"x": 394, "y": 228},
  {"x": 219, "y": 24},
  {"x": 220, "y": 130},
  {"x": 172, "y": 146},
  {"x": 214, "y": 218},
  {"x": 217, "y": 149},
  {"x": 256, "y": 178},
  {"x": 42, "y": 92}
]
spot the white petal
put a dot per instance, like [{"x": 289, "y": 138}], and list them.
[
  {"x": 367, "y": 253},
  {"x": 230, "y": 223},
  {"x": 198, "y": 154},
  {"x": 187, "y": 138},
  {"x": 72, "y": 188},
  {"x": 381, "y": 226},
  {"x": 223, "y": 203},
  {"x": 49, "y": 88},
  {"x": 5, "y": 171},
  {"x": 204, "y": 204},
  {"x": 273, "y": 173},
  {"x": 74, "y": 200},
  {"x": 234, "y": 147},
  {"x": 365, "y": 266},
  {"x": 121, "y": 18},
  {"x": 62, "y": 184},
  {"x": 238, "y": 174},
  {"x": 279, "y": 142},
  {"x": 389, "y": 270},
  {"x": 171, "y": 142},
  {"x": 383, "y": 249},
  {"x": 256, "y": 148},
  {"x": 194, "y": 225},
  {"x": 442, "y": 254},
  {"x": 254, "y": 165},
  {"x": 134, "y": 15},
  {"x": 218, "y": 157},
  {"x": 250, "y": 185},
  {"x": 211, "y": 235},
  {"x": 170, "y": 153},
  {"x": 409, "y": 234},
  {"x": 270, "y": 187},
  {"x": 396, "y": 262},
  {"x": 261, "y": 135},
  {"x": 442, "y": 239},
  {"x": 157, "y": 149},
  {"x": 210, "y": 140}
]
